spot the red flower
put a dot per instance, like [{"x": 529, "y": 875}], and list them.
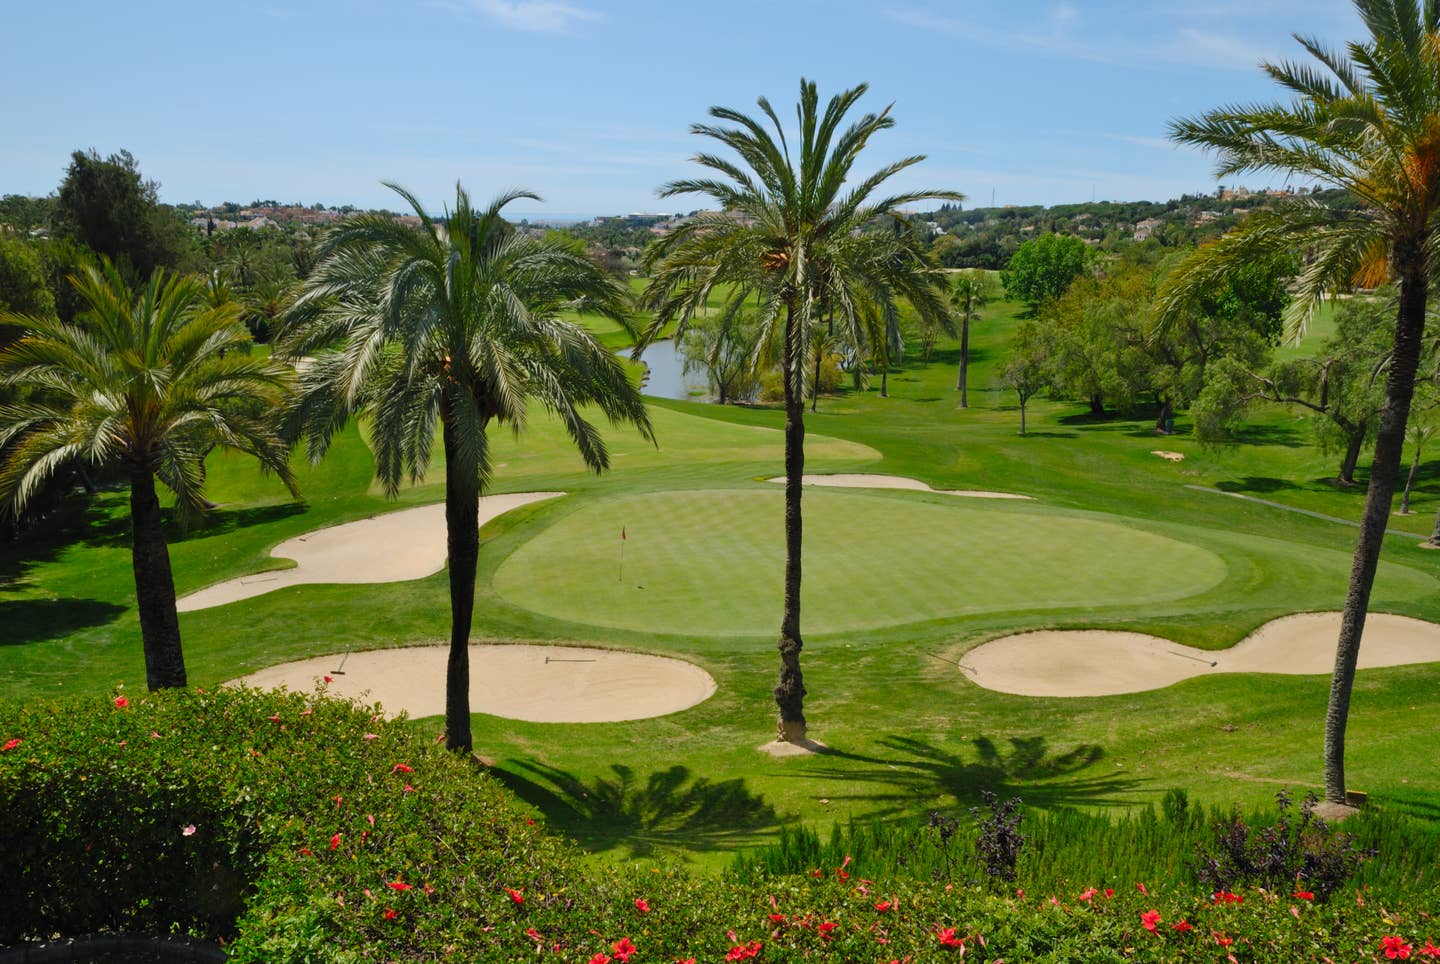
[
  {"x": 335, "y": 841},
  {"x": 600, "y": 959},
  {"x": 10, "y": 745},
  {"x": 121, "y": 702},
  {"x": 1224, "y": 941},
  {"x": 306, "y": 851},
  {"x": 1149, "y": 919},
  {"x": 515, "y": 896},
  {"x": 826, "y": 928},
  {"x": 1184, "y": 926},
  {"x": 328, "y": 679},
  {"x": 885, "y": 905},
  {"x": 1141, "y": 887},
  {"x": 946, "y": 937},
  {"x": 743, "y": 952},
  {"x": 1109, "y": 892},
  {"x": 688, "y": 960},
  {"x": 390, "y": 914},
  {"x": 777, "y": 918},
  {"x": 399, "y": 885},
  {"x": 534, "y": 935},
  {"x": 1430, "y": 950},
  {"x": 1088, "y": 894},
  {"x": 402, "y": 768},
  {"x": 623, "y": 949},
  {"x": 1226, "y": 897},
  {"x": 1303, "y": 895},
  {"x": 642, "y": 905},
  {"x": 275, "y": 718},
  {"x": 1395, "y": 947}
]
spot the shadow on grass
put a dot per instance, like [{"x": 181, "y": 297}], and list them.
[
  {"x": 917, "y": 771},
  {"x": 39, "y": 620},
  {"x": 1255, "y": 483},
  {"x": 114, "y": 531},
  {"x": 663, "y": 809}
]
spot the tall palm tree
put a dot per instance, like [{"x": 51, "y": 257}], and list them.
[
  {"x": 456, "y": 326},
  {"x": 150, "y": 380},
  {"x": 971, "y": 292},
  {"x": 795, "y": 234},
  {"x": 1366, "y": 120}
]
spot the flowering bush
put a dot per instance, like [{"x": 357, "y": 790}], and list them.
[{"x": 299, "y": 829}]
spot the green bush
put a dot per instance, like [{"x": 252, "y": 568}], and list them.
[{"x": 322, "y": 833}]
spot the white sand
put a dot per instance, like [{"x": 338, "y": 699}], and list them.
[
  {"x": 1100, "y": 663},
  {"x": 856, "y": 481},
  {"x": 1169, "y": 456},
  {"x": 393, "y": 547},
  {"x": 539, "y": 684}
]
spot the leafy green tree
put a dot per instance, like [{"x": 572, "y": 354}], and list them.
[
  {"x": 1096, "y": 336},
  {"x": 1422, "y": 429},
  {"x": 1363, "y": 121},
  {"x": 726, "y": 352},
  {"x": 795, "y": 233},
  {"x": 972, "y": 291},
  {"x": 105, "y": 205},
  {"x": 1028, "y": 372},
  {"x": 23, "y": 290},
  {"x": 1044, "y": 268},
  {"x": 453, "y": 326},
  {"x": 148, "y": 381}
]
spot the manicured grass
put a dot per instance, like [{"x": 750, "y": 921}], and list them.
[{"x": 899, "y": 586}]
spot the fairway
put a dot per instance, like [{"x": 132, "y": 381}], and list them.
[{"x": 711, "y": 562}]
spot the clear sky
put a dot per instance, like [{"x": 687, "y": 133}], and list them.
[{"x": 589, "y": 102}]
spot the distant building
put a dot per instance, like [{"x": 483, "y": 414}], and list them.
[{"x": 1145, "y": 228}]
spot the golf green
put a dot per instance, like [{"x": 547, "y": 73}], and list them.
[{"x": 711, "y": 562}]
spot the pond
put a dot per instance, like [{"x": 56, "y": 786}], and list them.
[{"x": 666, "y": 377}]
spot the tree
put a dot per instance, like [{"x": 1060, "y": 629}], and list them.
[
  {"x": 1043, "y": 268},
  {"x": 799, "y": 237},
  {"x": 454, "y": 325},
  {"x": 1421, "y": 431},
  {"x": 1096, "y": 336},
  {"x": 725, "y": 351},
  {"x": 149, "y": 381},
  {"x": 22, "y": 283},
  {"x": 972, "y": 290},
  {"x": 1027, "y": 373},
  {"x": 106, "y": 206},
  {"x": 1363, "y": 121}
]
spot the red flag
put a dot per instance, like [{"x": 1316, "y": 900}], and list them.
[{"x": 622, "y": 533}]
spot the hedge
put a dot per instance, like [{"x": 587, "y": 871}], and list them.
[{"x": 293, "y": 828}]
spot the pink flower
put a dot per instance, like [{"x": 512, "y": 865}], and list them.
[
  {"x": 516, "y": 897},
  {"x": 371, "y": 736},
  {"x": 1395, "y": 947},
  {"x": 1149, "y": 919},
  {"x": 307, "y": 711},
  {"x": 623, "y": 948},
  {"x": 642, "y": 905},
  {"x": 10, "y": 745},
  {"x": 1141, "y": 887},
  {"x": 400, "y": 885},
  {"x": 408, "y": 789},
  {"x": 188, "y": 830},
  {"x": 1088, "y": 894},
  {"x": 121, "y": 702}
]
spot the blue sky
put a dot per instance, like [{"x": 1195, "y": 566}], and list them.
[{"x": 588, "y": 102}]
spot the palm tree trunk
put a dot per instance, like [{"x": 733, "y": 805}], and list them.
[
  {"x": 1389, "y": 443},
  {"x": 154, "y": 584},
  {"x": 462, "y": 541},
  {"x": 960, "y": 383},
  {"x": 1410, "y": 482},
  {"x": 790, "y": 691},
  {"x": 885, "y": 381}
]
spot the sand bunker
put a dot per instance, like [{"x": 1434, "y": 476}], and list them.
[
  {"x": 896, "y": 482},
  {"x": 1169, "y": 456},
  {"x": 538, "y": 684},
  {"x": 1098, "y": 663},
  {"x": 393, "y": 547}
]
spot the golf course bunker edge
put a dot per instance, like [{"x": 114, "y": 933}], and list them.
[
  {"x": 1091, "y": 662},
  {"x": 534, "y": 684}
]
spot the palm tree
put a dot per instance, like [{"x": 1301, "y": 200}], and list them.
[
  {"x": 150, "y": 381},
  {"x": 971, "y": 292},
  {"x": 798, "y": 238},
  {"x": 1365, "y": 121},
  {"x": 454, "y": 326}
]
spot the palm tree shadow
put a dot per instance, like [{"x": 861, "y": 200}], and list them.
[
  {"x": 38, "y": 620},
  {"x": 665, "y": 809},
  {"x": 919, "y": 771}
]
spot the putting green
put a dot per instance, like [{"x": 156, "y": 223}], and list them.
[{"x": 711, "y": 563}]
